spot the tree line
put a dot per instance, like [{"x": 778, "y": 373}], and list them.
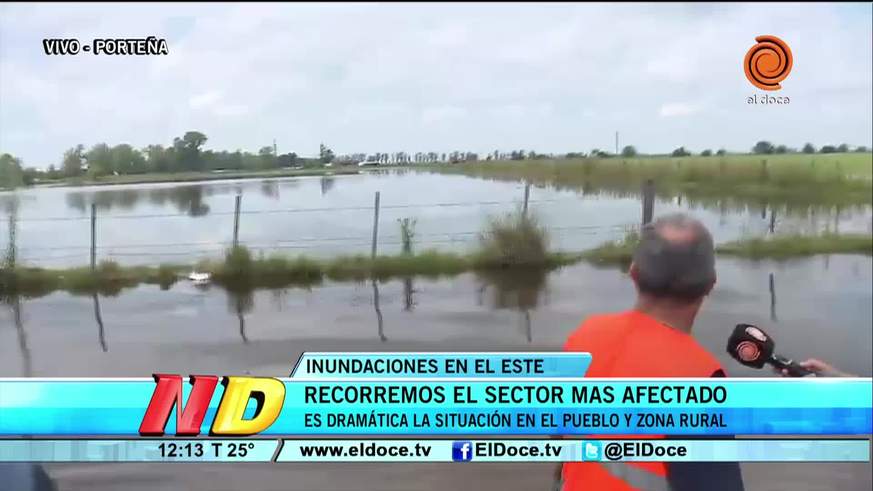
[{"x": 186, "y": 154}]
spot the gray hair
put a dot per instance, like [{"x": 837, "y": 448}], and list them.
[{"x": 675, "y": 258}]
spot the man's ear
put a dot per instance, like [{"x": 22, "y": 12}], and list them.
[{"x": 633, "y": 271}]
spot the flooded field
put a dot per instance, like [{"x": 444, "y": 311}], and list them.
[
  {"x": 328, "y": 216},
  {"x": 819, "y": 307},
  {"x": 814, "y": 307}
]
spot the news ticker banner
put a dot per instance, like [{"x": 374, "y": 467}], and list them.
[
  {"x": 242, "y": 406},
  {"x": 312, "y": 451}
]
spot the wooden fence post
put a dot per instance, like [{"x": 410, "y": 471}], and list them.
[
  {"x": 648, "y": 200},
  {"x": 93, "y": 236},
  {"x": 375, "y": 225},
  {"x": 526, "y": 198},
  {"x": 236, "y": 221}
]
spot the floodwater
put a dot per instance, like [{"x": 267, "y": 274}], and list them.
[
  {"x": 817, "y": 307},
  {"x": 813, "y": 307},
  {"x": 327, "y": 216}
]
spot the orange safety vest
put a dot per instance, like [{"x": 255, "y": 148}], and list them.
[{"x": 630, "y": 345}]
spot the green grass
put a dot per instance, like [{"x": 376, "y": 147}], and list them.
[
  {"x": 618, "y": 252},
  {"x": 794, "y": 180},
  {"x": 791, "y": 246},
  {"x": 240, "y": 272},
  {"x": 108, "y": 278}
]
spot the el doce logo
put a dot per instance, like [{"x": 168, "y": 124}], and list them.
[{"x": 768, "y": 62}]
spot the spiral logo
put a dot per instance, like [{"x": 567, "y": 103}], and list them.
[
  {"x": 748, "y": 351},
  {"x": 768, "y": 62}
]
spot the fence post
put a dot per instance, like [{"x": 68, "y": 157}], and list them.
[
  {"x": 236, "y": 221},
  {"x": 526, "y": 198},
  {"x": 375, "y": 225},
  {"x": 12, "y": 252},
  {"x": 93, "y": 236},
  {"x": 772, "y": 297},
  {"x": 648, "y": 200}
]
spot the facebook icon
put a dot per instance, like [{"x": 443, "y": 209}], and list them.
[{"x": 462, "y": 451}]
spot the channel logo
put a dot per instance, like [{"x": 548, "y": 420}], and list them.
[
  {"x": 462, "y": 451},
  {"x": 768, "y": 62}
]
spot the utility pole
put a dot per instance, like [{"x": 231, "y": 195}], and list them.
[
  {"x": 616, "y": 143},
  {"x": 275, "y": 154}
]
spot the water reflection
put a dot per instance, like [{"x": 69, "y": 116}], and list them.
[
  {"x": 379, "y": 321},
  {"x": 270, "y": 189},
  {"x": 408, "y": 295},
  {"x": 101, "y": 332},
  {"x": 327, "y": 184},
  {"x": 187, "y": 199},
  {"x": 14, "y": 303},
  {"x": 520, "y": 289},
  {"x": 240, "y": 302}
]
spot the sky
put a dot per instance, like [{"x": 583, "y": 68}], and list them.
[{"x": 368, "y": 78}]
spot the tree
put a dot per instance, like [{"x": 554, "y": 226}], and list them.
[
  {"x": 721, "y": 152},
  {"x": 808, "y": 148},
  {"x": 861, "y": 149},
  {"x": 286, "y": 159},
  {"x": 11, "y": 175},
  {"x": 763, "y": 147},
  {"x": 828, "y": 149},
  {"x": 72, "y": 163},
  {"x": 325, "y": 154},
  {"x": 187, "y": 150},
  {"x": 780, "y": 149},
  {"x": 843, "y": 148},
  {"x": 268, "y": 160},
  {"x": 629, "y": 151},
  {"x": 706, "y": 153},
  {"x": 127, "y": 160},
  {"x": 99, "y": 159},
  {"x": 681, "y": 152},
  {"x": 157, "y": 158}
]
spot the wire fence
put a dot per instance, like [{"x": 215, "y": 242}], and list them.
[{"x": 353, "y": 243}]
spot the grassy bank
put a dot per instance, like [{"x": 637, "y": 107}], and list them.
[
  {"x": 797, "y": 180},
  {"x": 240, "y": 271},
  {"x": 198, "y": 176},
  {"x": 780, "y": 247},
  {"x": 236, "y": 273},
  {"x": 790, "y": 246}
]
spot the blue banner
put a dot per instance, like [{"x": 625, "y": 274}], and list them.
[{"x": 469, "y": 407}]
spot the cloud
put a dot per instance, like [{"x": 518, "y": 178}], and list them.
[
  {"x": 675, "y": 109},
  {"x": 205, "y": 100},
  {"x": 441, "y": 77},
  {"x": 439, "y": 115}
]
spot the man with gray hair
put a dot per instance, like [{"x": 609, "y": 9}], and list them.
[{"x": 673, "y": 269}]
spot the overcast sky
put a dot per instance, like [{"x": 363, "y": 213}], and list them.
[{"x": 441, "y": 77}]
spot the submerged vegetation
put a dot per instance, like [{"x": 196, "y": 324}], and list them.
[
  {"x": 789, "y": 246},
  {"x": 239, "y": 271},
  {"x": 797, "y": 180}
]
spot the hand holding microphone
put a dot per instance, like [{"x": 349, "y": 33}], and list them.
[{"x": 819, "y": 368}]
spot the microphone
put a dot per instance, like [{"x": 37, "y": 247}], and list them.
[{"x": 752, "y": 347}]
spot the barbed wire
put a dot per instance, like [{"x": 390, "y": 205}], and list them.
[
  {"x": 293, "y": 210},
  {"x": 344, "y": 241}
]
